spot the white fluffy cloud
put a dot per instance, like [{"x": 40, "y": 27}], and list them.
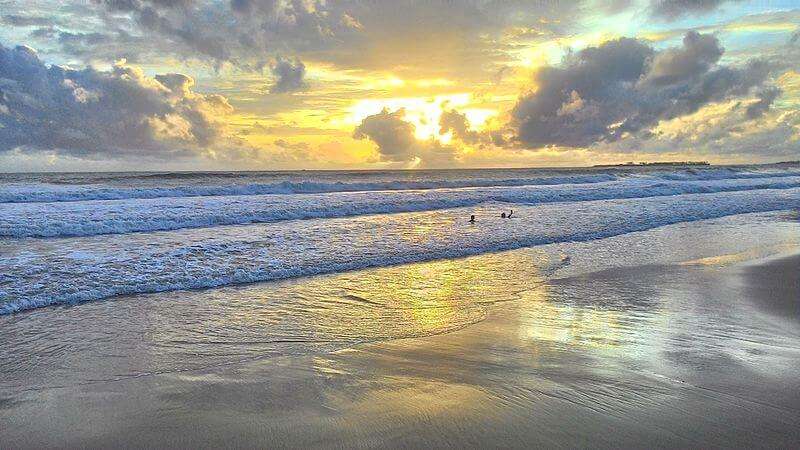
[{"x": 722, "y": 131}]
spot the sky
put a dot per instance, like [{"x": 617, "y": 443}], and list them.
[{"x": 395, "y": 84}]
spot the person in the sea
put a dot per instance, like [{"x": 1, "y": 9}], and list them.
[
  {"x": 472, "y": 218},
  {"x": 504, "y": 216},
  {"x": 511, "y": 214}
]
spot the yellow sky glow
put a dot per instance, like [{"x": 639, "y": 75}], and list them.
[{"x": 423, "y": 112}]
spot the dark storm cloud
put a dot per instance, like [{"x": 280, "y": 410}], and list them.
[
  {"x": 575, "y": 104},
  {"x": 89, "y": 112},
  {"x": 289, "y": 76},
  {"x": 675, "y": 9},
  {"x": 623, "y": 86}
]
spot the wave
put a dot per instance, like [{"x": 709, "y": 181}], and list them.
[
  {"x": 50, "y": 272},
  {"x": 133, "y": 215},
  {"x": 157, "y": 185},
  {"x": 724, "y": 173},
  {"x": 43, "y": 193}
]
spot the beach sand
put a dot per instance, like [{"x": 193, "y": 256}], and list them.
[
  {"x": 775, "y": 285},
  {"x": 698, "y": 354}
]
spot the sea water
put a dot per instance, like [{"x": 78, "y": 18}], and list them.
[
  {"x": 112, "y": 276},
  {"x": 77, "y": 237}
]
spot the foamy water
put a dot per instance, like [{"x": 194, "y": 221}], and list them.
[
  {"x": 175, "y": 331},
  {"x": 70, "y": 238}
]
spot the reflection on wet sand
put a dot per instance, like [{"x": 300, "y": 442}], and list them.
[
  {"x": 516, "y": 349},
  {"x": 186, "y": 330},
  {"x": 549, "y": 370}
]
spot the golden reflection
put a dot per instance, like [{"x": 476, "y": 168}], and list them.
[
  {"x": 566, "y": 323},
  {"x": 333, "y": 311},
  {"x": 423, "y": 231},
  {"x": 433, "y": 303},
  {"x": 406, "y": 396},
  {"x": 391, "y": 302}
]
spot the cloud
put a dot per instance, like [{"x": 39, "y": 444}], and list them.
[
  {"x": 282, "y": 143},
  {"x": 457, "y": 123},
  {"x": 465, "y": 36},
  {"x": 675, "y": 9},
  {"x": 698, "y": 54},
  {"x": 393, "y": 135},
  {"x": 25, "y": 20},
  {"x": 192, "y": 35},
  {"x": 396, "y": 142},
  {"x": 243, "y": 33},
  {"x": 736, "y": 130},
  {"x": 623, "y": 86},
  {"x": 765, "y": 99},
  {"x": 289, "y": 76},
  {"x": 292, "y": 152},
  {"x": 91, "y": 113},
  {"x": 721, "y": 131}
]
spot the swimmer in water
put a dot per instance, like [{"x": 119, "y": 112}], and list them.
[
  {"x": 472, "y": 218},
  {"x": 503, "y": 215},
  {"x": 511, "y": 214}
]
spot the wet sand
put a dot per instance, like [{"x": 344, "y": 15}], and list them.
[
  {"x": 662, "y": 356},
  {"x": 775, "y": 285}
]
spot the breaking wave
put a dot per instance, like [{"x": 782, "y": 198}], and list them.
[
  {"x": 57, "y": 271},
  {"x": 165, "y": 214}
]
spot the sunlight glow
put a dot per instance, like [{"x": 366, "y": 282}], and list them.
[{"x": 423, "y": 112}]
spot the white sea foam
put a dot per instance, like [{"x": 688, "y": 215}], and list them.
[
  {"x": 163, "y": 214},
  {"x": 30, "y": 193},
  {"x": 41, "y": 272},
  {"x": 74, "y": 187}
]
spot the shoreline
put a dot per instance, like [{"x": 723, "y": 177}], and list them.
[{"x": 681, "y": 355}]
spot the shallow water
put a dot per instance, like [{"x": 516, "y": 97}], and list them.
[
  {"x": 42, "y": 272},
  {"x": 361, "y": 309},
  {"x": 69, "y": 238},
  {"x": 137, "y": 335},
  {"x": 652, "y": 334}
]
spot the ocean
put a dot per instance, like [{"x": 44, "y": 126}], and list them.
[
  {"x": 363, "y": 309},
  {"x": 67, "y": 238}
]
